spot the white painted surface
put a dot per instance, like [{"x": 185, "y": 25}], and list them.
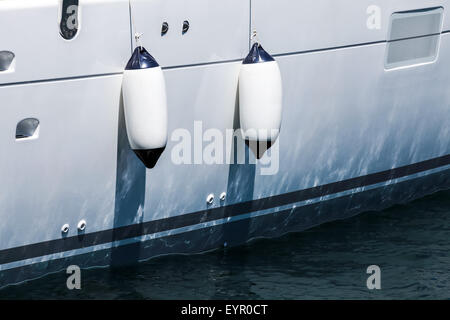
[
  {"x": 69, "y": 172},
  {"x": 219, "y": 30},
  {"x": 209, "y": 95},
  {"x": 293, "y": 25},
  {"x": 345, "y": 116},
  {"x": 30, "y": 30}
]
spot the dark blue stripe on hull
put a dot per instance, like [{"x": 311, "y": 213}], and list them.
[{"x": 126, "y": 232}]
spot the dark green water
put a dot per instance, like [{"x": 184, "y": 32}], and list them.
[{"x": 410, "y": 243}]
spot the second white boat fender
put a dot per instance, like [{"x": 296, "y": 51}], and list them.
[
  {"x": 260, "y": 96},
  {"x": 145, "y": 106}
]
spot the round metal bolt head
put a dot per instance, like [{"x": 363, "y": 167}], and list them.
[{"x": 210, "y": 199}]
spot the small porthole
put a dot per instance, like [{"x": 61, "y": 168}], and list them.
[
  {"x": 164, "y": 28},
  {"x": 6, "y": 60},
  {"x": 69, "y": 23},
  {"x": 27, "y": 129},
  {"x": 185, "y": 26}
]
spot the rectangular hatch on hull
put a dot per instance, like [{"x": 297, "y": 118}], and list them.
[{"x": 414, "y": 37}]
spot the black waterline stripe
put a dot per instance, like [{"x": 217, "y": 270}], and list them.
[{"x": 131, "y": 231}]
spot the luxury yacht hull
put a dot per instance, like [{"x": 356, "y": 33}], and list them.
[{"x": 364, "y": 126}]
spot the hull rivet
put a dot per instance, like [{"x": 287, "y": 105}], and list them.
[
  {"x": 210, "y": 199},
  {"x": 81, "y": 225},
  {"x": 65, "y": 228}
]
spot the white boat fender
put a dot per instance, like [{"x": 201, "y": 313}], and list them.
[
  {"x": 145, "y": 106},
  {"x": 260, "y": 96}
]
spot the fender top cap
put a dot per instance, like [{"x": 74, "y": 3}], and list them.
[
  {"x": 141, "y": 59},
  {"x": 258, "y": 55}
]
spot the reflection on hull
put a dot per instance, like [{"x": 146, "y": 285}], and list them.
[{"x": 234, "y": 231}]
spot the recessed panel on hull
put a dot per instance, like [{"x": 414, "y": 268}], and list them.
[
  {"x": 185, "y": 32},
  {"x": 58, "y": 158},
  {"x": 414, "y": 37},
  {"x": 31, "y": 30}
]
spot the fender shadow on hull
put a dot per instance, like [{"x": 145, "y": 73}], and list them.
[{"x": 129, "y": 197}]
